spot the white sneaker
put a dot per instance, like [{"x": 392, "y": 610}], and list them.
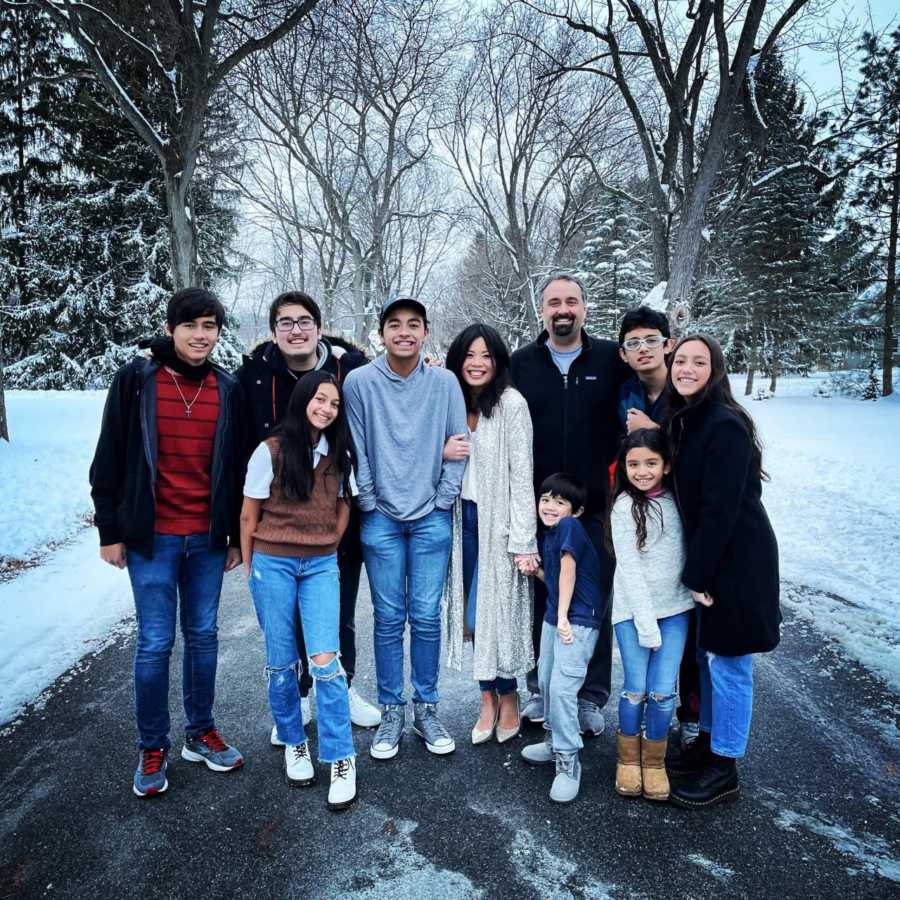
[
  {"x": 342, "y": 792},
  {"x": 362, "y": 713},
  {"x": 298, "y": 765},
  {"x": 305, "y": 712}
]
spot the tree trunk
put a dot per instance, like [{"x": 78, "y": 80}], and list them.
[
  {"x": 182, "y": 233},
  {"x": 748, "y": 384},
  {"x": 773, "y": 376},
  {"x": 890, "y": 285},
  {"x": 4, "y": 425}
]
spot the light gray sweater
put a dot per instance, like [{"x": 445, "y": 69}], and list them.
[
  {"x": 399, "y": 427},
  {"x": 647, "y": 584}
]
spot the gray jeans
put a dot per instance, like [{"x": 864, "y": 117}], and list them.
[{"x": 561, "y": 672}]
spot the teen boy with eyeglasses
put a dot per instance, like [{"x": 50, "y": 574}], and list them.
[
  {"x": 644, "y": 342},
  {"x": 268, "y": 376}
]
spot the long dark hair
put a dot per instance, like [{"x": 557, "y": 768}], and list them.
[
  {"x": 489, "y": 397},
  {"x": 296, "y": 475},
  {"x": 716, "y": 390},
  {"x": 641, "y": 504}
]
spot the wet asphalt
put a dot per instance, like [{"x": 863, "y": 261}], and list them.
[{"x": 819, "y": 814}]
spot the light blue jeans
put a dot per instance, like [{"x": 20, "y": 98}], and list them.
[
  {"x": 286, "y": 588},
  {"x": 650, "y": 676},
  {"x": 182, "y": 580},
  {"x": 561, "y": 672},
  {"x": 726, "y": 701},
  {"x": 406, "y": 563}
]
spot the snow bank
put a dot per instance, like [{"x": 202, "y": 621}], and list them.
[
  {"x": 52, "y": 615},
  {"x": 834, "y": 501},
  {"x": 44, "y": 470}
]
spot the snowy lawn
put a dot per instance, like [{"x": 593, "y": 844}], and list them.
[
  {"x": 834, "y": 500},
  {"x": 44, "y": 471}
]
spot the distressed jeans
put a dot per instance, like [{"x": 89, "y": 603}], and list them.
[
  {"x": 285, "y": 589},
  {"x": 650, "y": 676},
  {"x": 561, "y": 672},
  {"x": 406, "y": 563},
  {"x": 726, "y": 701},
  {"x": 183, "y": 576}
]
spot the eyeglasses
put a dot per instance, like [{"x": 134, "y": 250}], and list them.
[
  {"x": 653, "y": 342},
  {"x": 304, "y": 323}
]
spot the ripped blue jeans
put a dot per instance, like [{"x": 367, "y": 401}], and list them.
[{"x": 285, "y": 589}]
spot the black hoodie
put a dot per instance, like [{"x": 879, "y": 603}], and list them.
[{"x": 575, "y": 417}]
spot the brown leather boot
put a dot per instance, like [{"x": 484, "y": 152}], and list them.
[
  {"x": 628, "y": 765},
  {"x": 653, "y": 768}
]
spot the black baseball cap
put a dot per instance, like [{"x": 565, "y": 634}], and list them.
[{"x": 393, "y": 303}]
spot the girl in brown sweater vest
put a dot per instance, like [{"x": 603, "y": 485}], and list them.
[{"x": 296, "y": 507}]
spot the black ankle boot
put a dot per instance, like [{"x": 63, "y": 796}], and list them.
[
  {"x": 717, "y": 783},
  {"x": 692, "y": 760}
]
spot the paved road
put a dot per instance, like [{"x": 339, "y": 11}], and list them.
[{"x": 819, "y": 816}]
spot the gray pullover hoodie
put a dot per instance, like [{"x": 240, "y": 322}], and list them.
[{"x": 399, "y": 428}]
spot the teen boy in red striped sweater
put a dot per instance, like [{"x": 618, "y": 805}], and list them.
[{"x": 166, "y": 492}]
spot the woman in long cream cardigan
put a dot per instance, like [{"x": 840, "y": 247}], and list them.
[{"x": 494, "y": 528}]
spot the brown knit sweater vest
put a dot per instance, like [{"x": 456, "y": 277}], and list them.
[{"x": 310, "y": 527}]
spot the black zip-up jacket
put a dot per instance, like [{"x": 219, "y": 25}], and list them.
[
  {"x": 123, "y": 473},
  {"x": 575, "y": 417},
  {"x": 267, "y": 383},
  {"x": 266, "y": 386}
]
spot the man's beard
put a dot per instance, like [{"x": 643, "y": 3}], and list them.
[{"x": 563, "y": 327}]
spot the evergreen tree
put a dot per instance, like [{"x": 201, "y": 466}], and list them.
[
  {"x": 615, "y": 263},
  {"x": 771, "y": 248}
]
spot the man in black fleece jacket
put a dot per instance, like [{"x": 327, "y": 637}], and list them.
[
  {"x": 571, "y": 382},
  {"x": 268, "y": 376}
]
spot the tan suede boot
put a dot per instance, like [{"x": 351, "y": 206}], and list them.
[
  {"x": 628, "y": 765},
  {"x": 653, "y": 768}
]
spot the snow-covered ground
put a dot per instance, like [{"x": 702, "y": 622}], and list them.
[{"x": 834, "y": 500}]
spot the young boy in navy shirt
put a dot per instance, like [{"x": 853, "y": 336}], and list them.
[{"x": 576, "y": 604}]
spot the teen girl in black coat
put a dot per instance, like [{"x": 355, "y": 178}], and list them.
[{"x": 731, "y": 564}]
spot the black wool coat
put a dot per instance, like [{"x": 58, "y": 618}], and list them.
[
  {"x": 575, "y": 418},
  {"x": 731, "y": 548}
]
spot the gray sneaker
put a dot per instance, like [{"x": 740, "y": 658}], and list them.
[
  {"x": 568, "y": 778},
  {"x": 539, "y": 754},
  {"x": 209, "y": 748},
  {"x": 590, "y": 719},
  {"x": 386, "y": 743},
  {"x": 428, "y": 726},
  {"x": 534, "y": 709}
]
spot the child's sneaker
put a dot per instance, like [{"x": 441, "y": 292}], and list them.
[
  {"x": 209, "y": 748},
  {"x": 342, "y": 792},
  {"x": 568, "y": 778},
  {"x": 150, "y": 776},
  {"x": 298, "y": 766},
  {"x": 533, "y": 710}
]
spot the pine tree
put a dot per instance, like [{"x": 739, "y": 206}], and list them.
[
  {"x": 615, "y": 263},
  {"x": 771, "y": 248}
]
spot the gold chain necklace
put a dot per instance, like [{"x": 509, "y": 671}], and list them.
[{"x": 187, "y": 406}]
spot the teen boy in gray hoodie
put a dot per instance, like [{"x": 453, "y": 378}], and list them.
[{"x": 401, "y": 413}]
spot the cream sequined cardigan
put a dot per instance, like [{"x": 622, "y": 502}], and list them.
[{"x": 506, "y": 526}]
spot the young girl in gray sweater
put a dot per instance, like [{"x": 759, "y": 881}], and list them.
[{"x": 650, "y": 610}]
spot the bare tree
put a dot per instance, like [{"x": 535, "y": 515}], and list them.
[
  {"x": 344, "y": 126},
  {"x": 699, "y": 58},
  {"x": 525, "y": 139},
  {"x": 186, "y": 49}
]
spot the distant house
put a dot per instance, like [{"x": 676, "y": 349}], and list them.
[{"x": 863, "y": 331}]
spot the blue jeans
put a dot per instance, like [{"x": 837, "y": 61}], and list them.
[
  {"x": 726, "y": 701},
  {"x": 470, "y": 581},
  {"x": 286, "y": 589},
  {"x": 406, "y": 563},
  {"x": 184, "y": 571},
  {"x": 650, "y": 676},
  {"x": 561, "y": 672}
]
